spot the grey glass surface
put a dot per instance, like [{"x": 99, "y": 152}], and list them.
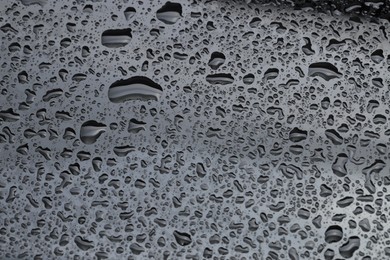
[{"x": 194, "y": 129}]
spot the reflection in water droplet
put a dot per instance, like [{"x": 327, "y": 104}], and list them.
[
  {"x": 217, "y": 59},
  {"x": 116, "y": 38},
  {"x": 90, "y": 131},
  {"x": 333, "y": 234},
  {"x": 169, "y": 13},
  {"x": 325, "y": 70},
  {"x": 183, "y": 239},
  {"x": 221, "y": 78},
  {"x": 134, "y": 88},
  {"x": 347, "y": 249},
  {"x": 129, "y": 13},
  {"x": 83, "y": 244}
]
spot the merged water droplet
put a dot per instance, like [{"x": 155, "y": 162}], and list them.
[
  {"x": 116, "y": 38},
  {"x": 137, "y": 87},
  {"x": 220, "y": 78},
  {"x": 217, "y": 59},
  {"x": 182, "y": 238},
  {"x": 325, "y": 70},
  {"x": 347, "y": 250},
  {"x": 169, "y": 13},
  {"x": 90, "y": 131}
]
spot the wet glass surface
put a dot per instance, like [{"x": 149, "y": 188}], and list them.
[{"x": 194, "y": 129}]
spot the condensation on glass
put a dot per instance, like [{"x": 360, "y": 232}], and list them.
[{"x": 194, "y": 129}]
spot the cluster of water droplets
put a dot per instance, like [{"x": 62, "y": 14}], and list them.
[{"x": 192, "y": 130}]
